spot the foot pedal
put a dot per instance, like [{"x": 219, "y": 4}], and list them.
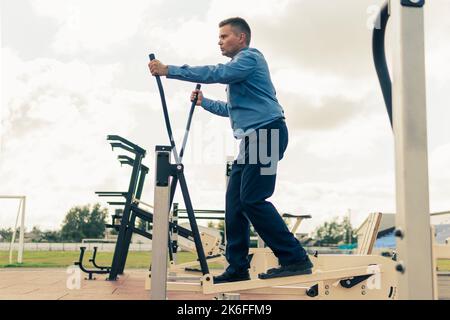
[{"x": 282, "y": 274}]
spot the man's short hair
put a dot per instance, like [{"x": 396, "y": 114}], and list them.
[{"x": 240, "y": 25}]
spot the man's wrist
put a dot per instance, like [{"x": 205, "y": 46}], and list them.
[
  {"x": 169, "y": 69},
  {"x": 206, "y": 102}
]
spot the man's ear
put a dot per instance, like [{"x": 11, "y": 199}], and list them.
[{"x": 243, "y": 36}]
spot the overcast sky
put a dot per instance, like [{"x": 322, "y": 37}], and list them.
[{"x": 75, "y": 71}]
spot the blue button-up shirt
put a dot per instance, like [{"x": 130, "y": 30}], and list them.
[{"x": 251, "y": 96}]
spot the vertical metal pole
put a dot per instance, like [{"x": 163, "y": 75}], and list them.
[
  {"x": 175, "y": 232},
  {"x": 160, "y": 229},
  {"x": 230, "y": 160},
  {"x": 415, "y": 273},
  {"x": 120, "y": 253},
  {"x": 13, "y": 238},
  {"x": 229, "y": 163},
  {"x": 22, "y": 232},
  {"x": 192, "y": 220},
  {"x": 434, "y": 261}
]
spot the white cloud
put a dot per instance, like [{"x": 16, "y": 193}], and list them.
[
  {"x": 324, "y": 200},
  {"x": 54, "y": 124},
  {"x": 93, "y": 26},
  {"x": 249, "y": 9},
  {"x": 440, "y": 178},
  {"x": 318, "y": 85},
  {"x": 195, "y": 39}
]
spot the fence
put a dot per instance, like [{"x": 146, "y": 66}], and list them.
[
  {"x": 109, "y": 247},
  {"x": 105, "y": 247}
]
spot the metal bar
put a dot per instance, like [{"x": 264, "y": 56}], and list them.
[
  {"x": 209, "y": 287},
  {"x": 203, "y": 211},
  {"x": 203, "y": 218},
  {"x": 142, "y": 202},
  {"x": 175, "y": 232},
  {"x": 442, "y": 213},
  {"x": 12, "y": 197},
  {"x": 13, "y": 238},
  {"x": 129, "y": 232},
  {"x": 166, "y": 114},
  {"x": 22, "y": 232},
  {"x": 415, "y": 273},
  {"x": 379, "y": 58},
  {"x": 127, "y": 142},
  {"x": 160, "y": 229},
  {"x": 142, "y": 233},
  {"x": 115, "y": 203},
  {"x": 188, "y": 124},
  {"x": 140, "y": 186},
  {"x": 117, "y": 258},
  {"x": 148, "y": 216},
  {"x": 126, "y": 242},
  {"x": 125, "y": 147},
  {"x": 192, "y": 221},
  {"x": 110, "y": 193}
]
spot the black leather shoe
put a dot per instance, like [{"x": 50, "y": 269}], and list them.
[
  {"x": 231, "y": 277},
  {"x": 295, "y": 269}
]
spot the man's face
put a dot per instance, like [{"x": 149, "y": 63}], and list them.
[{"x": 230, "y": 42}]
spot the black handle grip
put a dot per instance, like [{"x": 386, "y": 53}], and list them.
[{"x": 194, "y": 102}]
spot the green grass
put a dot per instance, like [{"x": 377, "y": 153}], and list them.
[
  {"x": 136, "y": 259},
  {"x": 443, "y": 264},
  {"x": 63, "y": 259}
]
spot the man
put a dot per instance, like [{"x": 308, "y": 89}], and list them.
[{"x": 258, "y": 120}]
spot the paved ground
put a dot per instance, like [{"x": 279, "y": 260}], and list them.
[
  {"x": 51, "y": 284},
  {"x": 444, "y": 285}
]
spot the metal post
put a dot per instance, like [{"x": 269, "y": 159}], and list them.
[
  {"x": 22, "y": 232},
  {"x": 21, "y": 215},
  {"x": 229, "y": 164},
  {"x": 175, "y": 232},
  {"x": 13, "y": 238},
  {"x": 120, "y": 251},
  {"x": 415, "y": 273},
  {"x": 160, "y": 229},
  {"x": 230, "y": 160}
]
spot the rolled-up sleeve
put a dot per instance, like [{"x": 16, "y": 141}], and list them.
[
  {"x": 217, "y": 107},
  {"x": 234, "y": 71}
]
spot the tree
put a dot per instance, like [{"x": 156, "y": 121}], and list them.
[
  {"x": 335, "y": 232},
  {"x": 6, "y": 234},
  {"x": 82, "y": 222},
  {"x": 35, "y": 234},
  {"x": 51, "y": 236},
  {"x": 349, "y": 233}
]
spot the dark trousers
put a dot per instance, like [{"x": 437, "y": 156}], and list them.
[{"x": 248, "y": 189}]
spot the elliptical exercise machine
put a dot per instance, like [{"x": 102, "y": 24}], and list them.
[{"x": 348, "y": 277}]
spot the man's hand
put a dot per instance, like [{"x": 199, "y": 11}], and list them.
[
  {"x": 200, "y": 97},
  {"x": 157, "y": 68}
]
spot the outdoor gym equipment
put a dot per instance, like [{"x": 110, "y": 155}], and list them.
[
  {"x": 350, "y": 271},
  {"x": 353, "y": 276},
  {"x": 90, "y": 272},
  {"x": 133, "y": 203},
  {"x": 405, "y": 101}
]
